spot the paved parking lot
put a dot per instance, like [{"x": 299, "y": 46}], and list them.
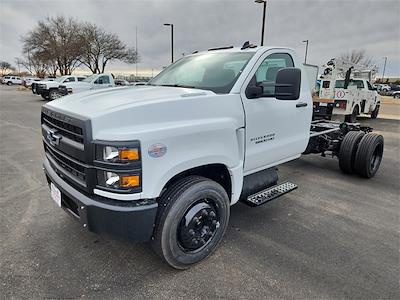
[{"x": 336, "y": 236}]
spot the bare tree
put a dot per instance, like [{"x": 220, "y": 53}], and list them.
[
  {"x": 34, "y": 64},
  {"x": 358, "y": 57},
  {"x": 4, "y": 66},
  {"x": 56, "y": 40},
  {"x": 101, "y": 47}
]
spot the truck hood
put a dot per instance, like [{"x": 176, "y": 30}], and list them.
[
  {"x": 150, "y": 113},
  {"x": 77, "y": 84},
  {"x": 47, "y": 82},
  {"x": 94, "y": 104}
]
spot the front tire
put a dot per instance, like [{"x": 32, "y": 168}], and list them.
[
  {"x": 191, "y": 222},
  {"x": 396, "y": 96},
  {"x": 53, "y": 95},
  {"x": 369, "y": 155}
]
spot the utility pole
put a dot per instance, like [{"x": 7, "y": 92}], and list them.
[
  {"x": 264, "y": 2},
  {"x": 384, "y": 67},
  {"x": 136, "y": 56},
  {"x": 172, "y": 40},
  {"x": 305, "y": 56}
]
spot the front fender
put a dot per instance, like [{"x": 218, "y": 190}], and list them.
[{"x": 190, "y": 146}]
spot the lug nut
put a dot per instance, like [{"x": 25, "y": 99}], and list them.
[
  {"x": 212, "y": 214},
  {"x": 204, "y": 213},
  {"x": 191, "y": 232}
]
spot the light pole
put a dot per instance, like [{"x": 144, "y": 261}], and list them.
[
  {"x": 305, "y": 56},
  {"x": 172, "y": 40},
  {"x": 264, "y": 2},
  {"x": 384, "y": 67}
]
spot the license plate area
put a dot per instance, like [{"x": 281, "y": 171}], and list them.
[{"x": 55, "y": 194}]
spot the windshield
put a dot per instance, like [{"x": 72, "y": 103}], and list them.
[
  {"x": 216, "y": 72},
  {"x": 358, "y": 83},
  {"x": 60, "y": 79},
  {"x": 90, "y": 78}
]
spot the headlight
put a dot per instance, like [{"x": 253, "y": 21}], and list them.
[
  {"x": 118, "y": 181},
  {"x": 117, "y": 154},
  {"x": 119, "y": 166}
]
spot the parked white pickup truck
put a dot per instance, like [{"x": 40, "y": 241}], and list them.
[
  {"x": 165, "y": 161},
  {"x": 93, "y": 82},
  {"x": 48, "y": 89}
]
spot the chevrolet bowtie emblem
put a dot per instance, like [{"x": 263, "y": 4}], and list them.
[{"x": 53, "y": 137}]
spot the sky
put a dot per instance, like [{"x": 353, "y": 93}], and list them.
[{"x": 332, "y": 27}]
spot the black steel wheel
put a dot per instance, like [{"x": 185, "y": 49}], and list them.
[
  {"x": 348, "y": 150},
  {"x": 375, "y": 112},
  {"x": 353, "y": 117},
  {"x": 369, "y": 155},
  {"x": 191, "y": 222}
]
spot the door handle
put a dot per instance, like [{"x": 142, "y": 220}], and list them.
[{"x": 301, "y": 104}]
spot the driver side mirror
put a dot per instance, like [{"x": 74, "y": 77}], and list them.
[
  {"x": 287, "y": 86},
  {"x": 288, "y": 82}
]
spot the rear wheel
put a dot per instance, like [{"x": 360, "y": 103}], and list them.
[
  {"x": 192, "y": 218},
  {"x": 369, "y": 155},
  {"x": 353, "y": 117},
  {"x": 348, "y": 149},
  {"x": 375, "y": 112}
]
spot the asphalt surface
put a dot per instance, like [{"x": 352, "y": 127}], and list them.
[{"x": 336, "y": 236}]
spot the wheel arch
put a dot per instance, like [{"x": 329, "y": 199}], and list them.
[{"x": 216, "y": 171}]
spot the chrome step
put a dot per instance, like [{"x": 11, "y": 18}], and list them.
[{"x": 271, "y": 193}]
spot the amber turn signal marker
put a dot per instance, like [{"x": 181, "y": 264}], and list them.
[
  {"x": 130, "y": 181},
  {"x": 129, "y": 154}
]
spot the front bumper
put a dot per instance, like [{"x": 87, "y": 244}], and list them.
[{"x": 131, "y": 220}]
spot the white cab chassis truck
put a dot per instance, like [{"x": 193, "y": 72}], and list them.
[
  {"x": 48, "y": 89},
  {"x": 350, "y": 95},
  {"x": 165, "y": 161},
  {"x": 93, "y": 82}
]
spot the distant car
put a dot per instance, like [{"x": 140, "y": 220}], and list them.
[
  {"x": 9, "y": 80},
  {"x": 27, "y": 81},
  {"x": 395, "y": 87},
  {"x": 121, "y": 82}
]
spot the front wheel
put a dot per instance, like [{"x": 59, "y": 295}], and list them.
[
  {"x": 53, "y": 95},
  {"x": 396, "y": 96},
  {"x": 191, "y": 222}
]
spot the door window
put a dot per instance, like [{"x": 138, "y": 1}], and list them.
[
  {"x": 103, "y": 80},
  {"x": 70, "y": 79},
  {"x": 267, "y": 71}
]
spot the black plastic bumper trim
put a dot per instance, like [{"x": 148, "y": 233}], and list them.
[{"x": 131, "y": 220}]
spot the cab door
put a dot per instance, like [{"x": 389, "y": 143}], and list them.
[
  {"x": 276, "y": 130},
  {"x": 102, "y": 82}
]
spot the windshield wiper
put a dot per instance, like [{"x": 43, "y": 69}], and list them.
[{"x": 179, "y": 85}]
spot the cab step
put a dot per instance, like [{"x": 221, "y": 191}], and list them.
[{"x": 271, "y": 193}]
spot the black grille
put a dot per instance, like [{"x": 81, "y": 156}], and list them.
[
  {"x": 67, "y": 164},
  {"x": 64, "y": 144},
  {"x": 71, "y": 131}
]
